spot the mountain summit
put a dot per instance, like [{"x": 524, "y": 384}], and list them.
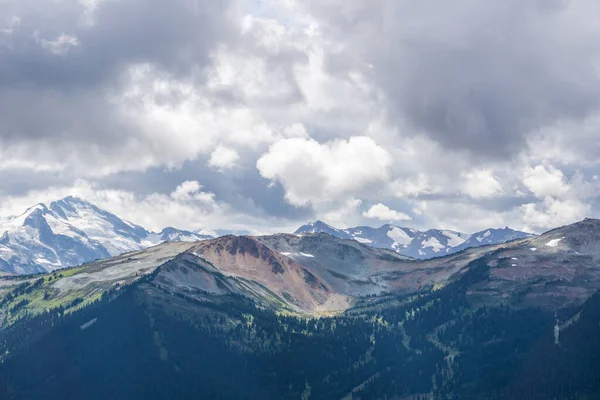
[
  {"x": 72, "y": 231},
  {"x": 413, "y": 243}
]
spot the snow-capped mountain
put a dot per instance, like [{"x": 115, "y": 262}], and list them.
[
  {"x": 414, "y": 243},
  {"x": 72, "y": 231},
  {"x": 492, "y": 236}
]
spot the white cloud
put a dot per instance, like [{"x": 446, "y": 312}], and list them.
[
  {"x": 480, "y": 183},
  {"x": 191, "y": 191},
  {"x": 313, "y": 173},
  {"x": 552, "y": 213},
  {"x": 422, "y": 167},
  {"x": 343, "y": 214},
  {"x": 295, "y": 130},
  {"x": 250, "y": 77},
  {"x": 413, "y": 187},
  {"x": 384, "y": 213},
  {"x": 545, "y": 180},
  {"x": 223, "y": 158},
  {"x": 61, "y": 44},
  {"x": 569, "y": 141},
  {"x": 465, "y": 216}
]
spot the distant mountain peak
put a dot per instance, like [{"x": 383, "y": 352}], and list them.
[
  {"x": 71, "y": 202},
  {"x": 321, "y": 223},
  {"x": 38, "y": 208},
  {"x": 74, "y": 199},
  {"x": 320, "y": 226},
  {"x": 72, "y": 231}
]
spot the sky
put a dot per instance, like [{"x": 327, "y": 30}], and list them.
[{"x": 264, "y": 115}]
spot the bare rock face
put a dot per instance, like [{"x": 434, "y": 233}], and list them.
[{"x": 246, "y": 259}]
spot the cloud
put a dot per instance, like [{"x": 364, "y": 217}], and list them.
[
  {"x": 414, "y": 186},
  {"x": 61, "y": 44},
  {"x": 569, "y": 141},
  {"x": 465, "y": 216},
  {"x": 223, "y": 158},
  {"x": 478, "y": 114},
  {"x": 384, "y": 213},
  {"x": 342, "y": 214},
  {"x": 481, "y": 183},
  {"x": 472, "y": 75},
  {"x": 191, "y": 191},
  {"x": 559, "y": 199},
  {"x": 64, "y": 69},
  {"x": 544, "y": 181},
  {"x": 313, "y": 173},
  {"x": 552, "y": 213}
]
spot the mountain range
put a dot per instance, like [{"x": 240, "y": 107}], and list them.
[
  {"x": 413, "y": 243},
  {"x": 310, "y": 316},
  {"x": 320, "y": 273},
  {"x": 72, "y": 231},
  {"x": 314, "y": 273}
]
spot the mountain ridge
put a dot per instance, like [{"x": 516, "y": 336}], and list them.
[
  {"x": 413, "y": 243},
  {"x": 318, "y": 273}
]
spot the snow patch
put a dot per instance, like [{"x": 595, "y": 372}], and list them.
[
  {"x": 554, "y": 242},
  {"x": 485, "y": 235},
  {"x": 399, "y": 236},
  {"x": 454, "y": 238},
  {"x": 307, "y": 255},
  {"x": 434, "y": 244}
]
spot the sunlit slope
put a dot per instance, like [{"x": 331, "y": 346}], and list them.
[{"x": 75, "y": 287}]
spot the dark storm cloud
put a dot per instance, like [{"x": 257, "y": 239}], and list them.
[
  {"x": 20, "y": 182},
  {"x": 62, "y": 95},
  {"x": 473, "y": 75}
]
